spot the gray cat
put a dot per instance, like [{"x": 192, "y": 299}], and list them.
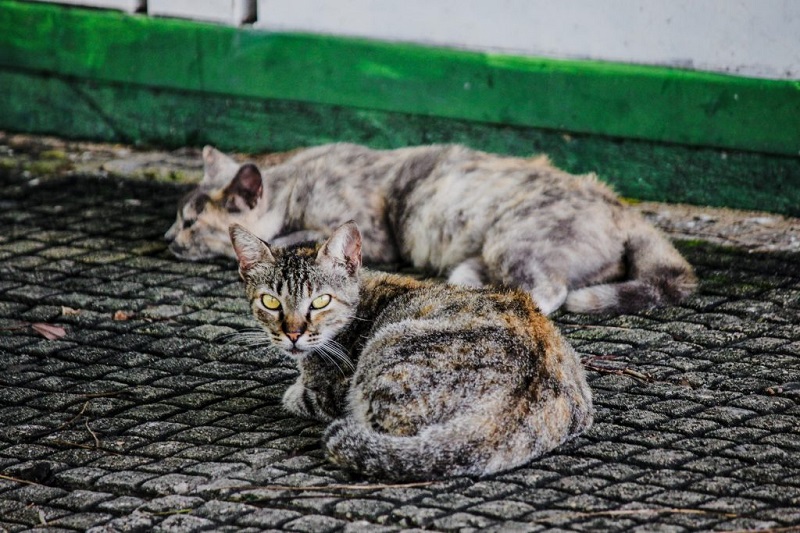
[
  {"x": 418, "y": 379},
  {"x": 474, "y": 217}
]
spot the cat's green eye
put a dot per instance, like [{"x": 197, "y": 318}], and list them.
[
  {"x": 270, "y": 302},
  {"x": 321, "y": 301}
]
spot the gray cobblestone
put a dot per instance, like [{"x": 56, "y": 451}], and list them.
[
  {"x": 80, "y": 521},
  {"x": 368, "y": 527},
  {"x": 182, "y": 523},
  {"x": 462, "y": 521},
  {"x": 268, "y": 518},
  {"x": 155, "y": 423},
  {"x": 503, "y": 509},
  {"x": 314, "y": 524}
]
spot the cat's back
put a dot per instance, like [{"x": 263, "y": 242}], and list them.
[
  {"x": 327, "y": 185},
  {"x": 458, "y": 174},
  {"x": 500, "y": 325},
  {"x": 348, "y": 161},
  {"x": 477, "y": 374},
  {"x": 443, "y": 204}
]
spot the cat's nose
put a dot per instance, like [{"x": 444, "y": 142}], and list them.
[
  {"x": 171, "y": 233},
  {"x": 294, "y": 335}
]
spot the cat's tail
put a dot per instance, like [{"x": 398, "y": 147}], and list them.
[
  {"x": 656, "y": 274},
  {"x": 453, "y": 449},
  {"x": 435, "y": 454}
]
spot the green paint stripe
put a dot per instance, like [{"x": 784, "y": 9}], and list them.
[
  {"x": 117, "y": 112},
  {"x": 591, "y": 97}
]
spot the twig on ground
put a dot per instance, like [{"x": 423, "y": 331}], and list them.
[
  {"x": 93, "y": 434},
  {"x": 18, "y": 480},
  {"x": 70, "y": 444},
  {"x": 75, "y": 418},
  {"x": 627, "y": 371},
  {"x": 670, "y": 510},
  {"x": 333, "y": 486},
  {"x": 170, "y": 513}
]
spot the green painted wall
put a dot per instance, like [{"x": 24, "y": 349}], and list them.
[{"x": 655, "y": 133}]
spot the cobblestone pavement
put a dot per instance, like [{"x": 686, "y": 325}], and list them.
[{"x": 126, "y": 406}]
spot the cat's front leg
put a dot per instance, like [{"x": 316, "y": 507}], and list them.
[
  {"x": 317, "y": 393},
  {"x": 304, "y": 402}
]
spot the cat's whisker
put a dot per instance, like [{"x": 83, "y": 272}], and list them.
[
  {"x": 341, "y": 349},
  {"x": 336, "y": 350},
  {"x": 249, "y": 338},
  {"x": 334, "y": 344},
  {"x": 255, "y": 343},
  {"x": 245, "y": 336},
  {"x": 321, "y": 350}
]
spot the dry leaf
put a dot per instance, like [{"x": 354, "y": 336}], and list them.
[
  {"x": 69, "y": 311},
  {"x": 49, "y": 331},
  {"x": 122, "y": 315}
]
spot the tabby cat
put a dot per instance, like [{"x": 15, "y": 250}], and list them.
[
  {"x": 475, "y": 217},
  {"x": 418, "y": 379}
]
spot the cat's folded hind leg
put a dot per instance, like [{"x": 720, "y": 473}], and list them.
[
  {"x": 520, "y": 266},
  {"x": 469, "y": 273}
]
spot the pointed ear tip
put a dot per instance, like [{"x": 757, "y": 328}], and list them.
[
  {"x": 250, "y": 167},
  {"x": 351, "y": 225},
  {"x": 237, "y": 231}
]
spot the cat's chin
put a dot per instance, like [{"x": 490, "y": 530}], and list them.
[{"x": 296, "y": 353}]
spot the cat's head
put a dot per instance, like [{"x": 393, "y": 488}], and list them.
[
  {"x": 227, "y": 195},
  {"x": 302, "y": 296}
]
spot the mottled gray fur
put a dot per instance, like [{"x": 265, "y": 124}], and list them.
[
  {"x": 420, "y": 380},
  {"x": 474, "y": 217}
]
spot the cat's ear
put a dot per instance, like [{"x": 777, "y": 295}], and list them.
[
  {"x": 218, "y": 168},
  {"x": 343, "y": 248},
  {"x": 250, "y": 250},
  {"x": 244, "y": 190}
]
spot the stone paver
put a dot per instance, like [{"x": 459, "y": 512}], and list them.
[{"x": 144, "y": 416}]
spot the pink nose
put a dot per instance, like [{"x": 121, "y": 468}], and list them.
[{"x": 294, "y": 335}]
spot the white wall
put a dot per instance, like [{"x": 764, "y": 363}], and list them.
[
  {"x": 232, "y": 12},
  {"x": 758, "y": 38}
]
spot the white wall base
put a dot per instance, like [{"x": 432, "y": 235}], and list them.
[
  {"x": 232, "y": 12},
  {"x": 121, "y": 5}
]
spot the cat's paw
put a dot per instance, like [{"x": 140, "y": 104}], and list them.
[
  {"x": 549, "y": 298},
  {"x": 469, "y": 273},
  {"x": 296, "y": 400},
  {"x": 302, "y": 401}
]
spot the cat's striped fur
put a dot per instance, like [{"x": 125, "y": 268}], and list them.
[
  {"x": 419, "y": 380},
  {"x": 474, "y": 217}
]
